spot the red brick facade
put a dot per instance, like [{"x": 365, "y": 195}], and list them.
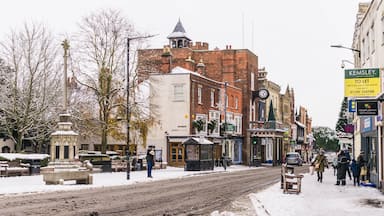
[{"x": 234, "y": 66}]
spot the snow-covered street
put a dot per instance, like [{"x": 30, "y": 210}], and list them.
[
  {"x": 35, "y": 184},
  {"x": 315, "y": 199}
]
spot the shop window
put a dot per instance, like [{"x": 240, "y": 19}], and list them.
[{"x": 206, "y": 152}]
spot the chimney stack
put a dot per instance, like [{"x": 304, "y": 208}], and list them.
[{"x": 166, "y": 60}]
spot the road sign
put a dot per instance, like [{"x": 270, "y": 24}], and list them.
[{"x": 351, "y": 106}]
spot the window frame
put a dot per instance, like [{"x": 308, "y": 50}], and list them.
[
  {"x": 215, "y": 115},
  {"x": 177, "y": 94},
  {"x": 204, "y": 117},
  {"x": 199, "y": 94}
]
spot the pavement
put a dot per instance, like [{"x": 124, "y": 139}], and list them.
[{"x": 319, "y": 199}]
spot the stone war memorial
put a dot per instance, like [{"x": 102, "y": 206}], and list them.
[{"x": 63, "y": 165}]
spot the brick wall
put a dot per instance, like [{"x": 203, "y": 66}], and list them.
[{"x": 221, "y": 65}]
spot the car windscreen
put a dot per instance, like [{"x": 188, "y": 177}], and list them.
[{"x": 292, "y": 156}]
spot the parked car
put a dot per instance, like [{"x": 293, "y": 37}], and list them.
[{"x": 293, "y": 158}]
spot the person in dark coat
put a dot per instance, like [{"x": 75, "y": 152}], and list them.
[
  {"x": 224, "y": 161},
  {"x": 363, "y": 166},
  {"x": 342, "y": 167},
  {"x": 150, "y": 162},
  {"x": 355, "y": 168}
]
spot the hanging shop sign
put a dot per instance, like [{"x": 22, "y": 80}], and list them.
[
  {"x": 362, "y": 82},
  {"x": 349, "y": 128},
  {"x": 351, "y": 106},
  {"x": 367, "y": 108},
  {"x": 366, "y": 124}
]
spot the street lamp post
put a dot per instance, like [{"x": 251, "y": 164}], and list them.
[
  {"x": 343, "y": 47},
  {"x": 342, "y": 66},
  {"x": 225, "y": 117},
  {"x": 129, "y": 39}
]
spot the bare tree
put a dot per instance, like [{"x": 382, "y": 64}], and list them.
[
  {"x": 33, "y": 90},
  {"x": 99, "y": 55}
]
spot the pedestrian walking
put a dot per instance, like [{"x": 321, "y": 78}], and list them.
[
  {"x": 342, "y": 168},
  {"x": 363, "y": 167},
  {"x": 355, "y": 168},
  {"x": 320, "y": 163},
  {"x": 224, "y": 161},
  {"x": 150, "y": 162}
]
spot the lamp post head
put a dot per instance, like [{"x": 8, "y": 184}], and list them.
[
  {"x": 337, "y": 46},
  {"x": 343, "y": 47}
]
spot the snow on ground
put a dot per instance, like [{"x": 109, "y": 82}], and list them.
[
  {"x": 318, "y": 199},
  {"x": 35, "y": 184},
  {"x": 315, "y": 199},
  {"x": 13, "y": 156}
]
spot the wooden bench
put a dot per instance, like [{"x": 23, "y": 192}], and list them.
[
  {"x": 3, "y": 168},
  {"x": 119, "y": 165},
  {"x": 13, "y": 168}
]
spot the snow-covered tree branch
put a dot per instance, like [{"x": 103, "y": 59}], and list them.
[{"x": 33, "y": 85}]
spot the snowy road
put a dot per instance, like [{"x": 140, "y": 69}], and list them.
[{"x": 197, "y": 195}]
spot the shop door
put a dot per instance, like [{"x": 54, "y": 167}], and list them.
[
  {"x": 263, "y": 157},
  {"x": 176, "y": 155}
]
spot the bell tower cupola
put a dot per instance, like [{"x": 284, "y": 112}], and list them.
[{"x": 179, "y": 38}]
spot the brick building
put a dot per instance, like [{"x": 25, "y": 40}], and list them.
[
  {"x": 186, "y": 105},
  {"x": 237, "y": 67}
]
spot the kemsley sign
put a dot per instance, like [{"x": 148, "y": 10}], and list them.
[{"x": 362, "y": 82}]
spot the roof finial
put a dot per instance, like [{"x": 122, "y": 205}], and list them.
[{"x": 201, "y": 63}]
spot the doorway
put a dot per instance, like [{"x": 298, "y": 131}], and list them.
[{"x": 176, "y": 155}]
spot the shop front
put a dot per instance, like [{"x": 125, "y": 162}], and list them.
[
  {"x": 369, "y": 148},
  {"x": 267, "y": 146}
]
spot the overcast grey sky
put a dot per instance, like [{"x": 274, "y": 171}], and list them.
[{"x": 291, "y": 37}]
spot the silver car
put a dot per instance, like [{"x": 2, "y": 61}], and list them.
[{"x": 293, "y": 158}]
